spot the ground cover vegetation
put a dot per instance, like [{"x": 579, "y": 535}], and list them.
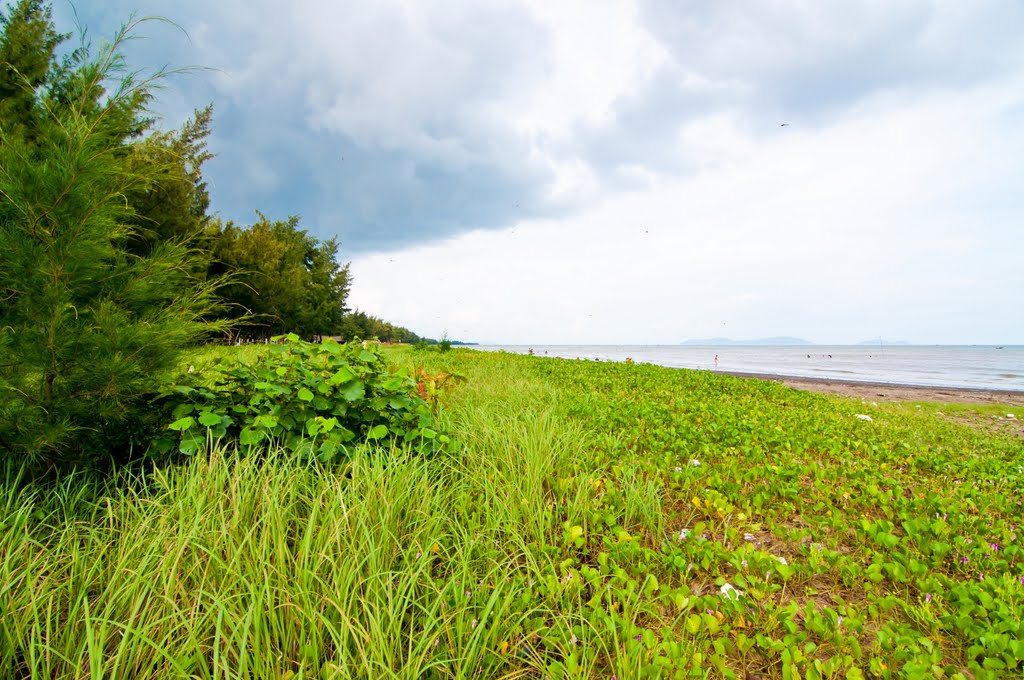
[{"x": 588, "y": 520}]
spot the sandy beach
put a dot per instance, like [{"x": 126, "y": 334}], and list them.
[{"x": 890, "y": 392}]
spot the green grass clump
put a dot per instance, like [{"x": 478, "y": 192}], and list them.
[{"x": 589, "y": 520}]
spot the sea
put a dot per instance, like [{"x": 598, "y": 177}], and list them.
[{"x": 969, "y": 366}]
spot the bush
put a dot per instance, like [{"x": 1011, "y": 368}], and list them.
[{"x": 315, "y": 400}]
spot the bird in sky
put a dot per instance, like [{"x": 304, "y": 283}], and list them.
[{"x": 784, "y": 125}]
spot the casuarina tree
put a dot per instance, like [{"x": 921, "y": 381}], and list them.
[{"x": 89, "y": 322}]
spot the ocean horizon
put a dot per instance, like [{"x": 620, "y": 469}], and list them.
[{"x": 995, "y": 367}]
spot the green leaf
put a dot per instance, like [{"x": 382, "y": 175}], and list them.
[
  {"x": 342, "y": 375},
  {"x": 354, "y": 391},
  {"x": 189, "y": 446},
  {"x": 250, "y": 437},
  {"x": 182, "y": 424},
  {"x": 377, "y": 432},
  {"x": 266, "y": 420},
  {"x": 395, "y": 383},
  {"x": 182, "y": 410},
  {"x": 367, "y": 356},
  {"x": 209, "y": 419},
  {"x": 305, "y": 394}
]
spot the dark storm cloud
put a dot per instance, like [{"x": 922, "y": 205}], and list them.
[
  {"x": 392, "y": 123},
  {"x": 379, "y": 124}
]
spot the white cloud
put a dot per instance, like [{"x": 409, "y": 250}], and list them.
[{"x": 837, "y": 234}]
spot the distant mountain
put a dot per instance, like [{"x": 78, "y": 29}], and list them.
[{"x": 759, "y": 342}]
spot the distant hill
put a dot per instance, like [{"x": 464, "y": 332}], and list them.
[{"x": 759, "y": 342}]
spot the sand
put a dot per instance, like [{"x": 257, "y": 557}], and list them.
[{"x": 891, "y": 392}]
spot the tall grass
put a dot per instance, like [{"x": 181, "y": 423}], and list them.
[{"x": 391, "y": 566}]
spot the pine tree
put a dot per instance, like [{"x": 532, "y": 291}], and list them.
[
  {"x": 28, "y": 43},
  {"x": 88, "y": 326}
]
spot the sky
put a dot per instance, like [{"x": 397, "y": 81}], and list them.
[{"x": 623, "y": 171}]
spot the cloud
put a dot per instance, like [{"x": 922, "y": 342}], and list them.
[
  {"x": 764, "y": 64},
  {"x": 805, "y": 58},
  {"x": 386, "y": 123},
  {"x": 617, "y": 172},
  {"x": 836, "y": 234}
]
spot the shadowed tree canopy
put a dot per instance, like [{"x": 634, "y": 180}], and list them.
[{"x": 288, "y": 280}]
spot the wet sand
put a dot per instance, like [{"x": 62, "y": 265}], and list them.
[{"x": 891, "y": 392}]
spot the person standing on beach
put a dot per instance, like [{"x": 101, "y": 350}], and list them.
[{"x": 716, "y": 362}]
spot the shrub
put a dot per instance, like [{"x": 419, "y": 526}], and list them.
[{"x": 317, "y": 400}]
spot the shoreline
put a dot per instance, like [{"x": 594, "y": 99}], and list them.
[{"x": 890, "y": 391}]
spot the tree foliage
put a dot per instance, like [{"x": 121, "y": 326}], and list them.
[
  {"x": 28, "y": 44},
  {"x": 283, "y": 280},
  {"x": 173, "y": 205},
  {"x": 362, "y": 326},
  {"x": 87, "y": 323}
]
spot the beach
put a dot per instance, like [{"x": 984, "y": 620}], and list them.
[
  {"x": 879, "y": 391},
  {"x": 985, "y": 373}
]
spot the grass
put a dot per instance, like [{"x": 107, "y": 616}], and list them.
[{"x": 594, "y": 520}]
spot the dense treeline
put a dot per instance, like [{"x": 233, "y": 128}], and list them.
[
  {"x": 110, "y": 263},
  {"x": 359, "y": 324},
  {"x": 282, "y": 279}
]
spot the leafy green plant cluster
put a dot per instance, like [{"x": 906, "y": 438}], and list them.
[{"x": 318, "y": 400}]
